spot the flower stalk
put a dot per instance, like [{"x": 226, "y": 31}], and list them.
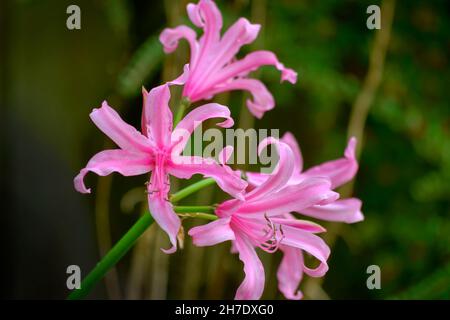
[
  {"x": 133, "y": 234},
  {"x": 112, "y": 257}
]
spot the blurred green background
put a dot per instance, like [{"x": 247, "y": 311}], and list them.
[{"x": 51, "y": 78}]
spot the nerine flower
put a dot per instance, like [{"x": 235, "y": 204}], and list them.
[
  {"x": 259, "y": 221},
  {"x": 339, "y": 172},
  {"x": 158, "y": 150},
  {"x": 213, "y": 67}
]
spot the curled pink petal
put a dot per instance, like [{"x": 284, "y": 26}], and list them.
[
  {"x": 343, "y": 210},
  {"x": 252, "y": 62},
  {"x": 124, "y": 135},
  {"x": 212, "y": 233},
  {"x": 262, "y": 99},
  {"x": 289, "y": 139},
  {"x": 171, "y": 36},
  {"x": 310, "y": 243},
  {"x": 253, "y": 285},
  {"x": 194, "y": 15},
  {"x": 310, "y": 192},
  {"x": 339, "y": 171},
  {"x": 126, "y": 163},
  {"x": 290, "y": 272},
  {"x": 281, "y": 174}
]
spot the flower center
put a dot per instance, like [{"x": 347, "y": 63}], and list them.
[{"x": 265, "y": 234}]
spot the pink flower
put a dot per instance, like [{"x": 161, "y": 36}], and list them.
[
  {"x": 158, "y": 150},
  {"x": 339, "y": 172},
  {"x": 213, "y": 67},
  {"x": 260, "y": 221}
]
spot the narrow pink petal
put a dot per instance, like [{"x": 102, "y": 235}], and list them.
[
  {"x": 290, "y": 272},
  {"x": 252, "y": 62},
  {"x": 289, "y": 139},
  {"x": 124, "y": 135},
  {"x": 126, "y": 163},
  {"x": 342, "y": 210},
  {"x": 339, "y": 171},
  {"x": 228, "y": 180},
  {"x": 205, "y": 15},
  {"x": 182, "y": 79},
  {"x": 253, "y": 285},
  {"x": 310, "y": 243},
  {"x": 158, "y": 115},
  {"x": 162, "y": 211},
  {"x": 170, "y": 38},
  {"x": 193, "y": 119},
  {"x": 262, "y": 98},
  {"x": 212, "y": 233},
  {"x": 281, "y": 174},
  {"x": 309, "y": 192}
]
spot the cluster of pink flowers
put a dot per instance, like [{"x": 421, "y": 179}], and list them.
[{"x": 260, "y": 214}]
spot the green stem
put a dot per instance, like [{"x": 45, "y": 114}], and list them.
[
  {"x": 184, "y": 104},
  {"x": 191, "y": 189},
  {"x": 112, "y": 257},
  {"x": 202, "y": 212},
  {"x": 201, "y": 215},
  {"x": 193, "y": 209}
]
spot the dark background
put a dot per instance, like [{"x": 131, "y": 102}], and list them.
[{"x": 52, "y": 77}]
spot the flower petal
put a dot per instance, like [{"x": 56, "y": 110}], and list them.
[
  {"x": 227, "y": 179},
  {"x": 253, "y": 285},
  {"x": 163, "y": 213},
  {"x": 338, "y": 171},
  {"x": 343, "y": 210},
  {"x": 310, "y": 191},
  {"x": 290, "y": 272},
  {"x": 262, "y": 98},
  {"x": 126, "y": 163},
  {"x": 289, "y": 139},
  {"x": 212, "y": 233},
  {"x": 252, "y": 62},
  {"x": 171, "y": 36},
  {"x": 207, "y": 16},
  {"x": 158, "y": 117},
  {"x": 193, "y": 119},
  {"x": 310, "y": 243},
  {"x": 124, "y": 135},
  {"x": 281, "y": 174}
]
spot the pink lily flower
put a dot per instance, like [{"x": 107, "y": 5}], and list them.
[
  {"x": 158, "y": 150},
  {"x": 339, "y": 172},
  {"x": 259, "y": 221},
  {"x": 213, "y": 67}
]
